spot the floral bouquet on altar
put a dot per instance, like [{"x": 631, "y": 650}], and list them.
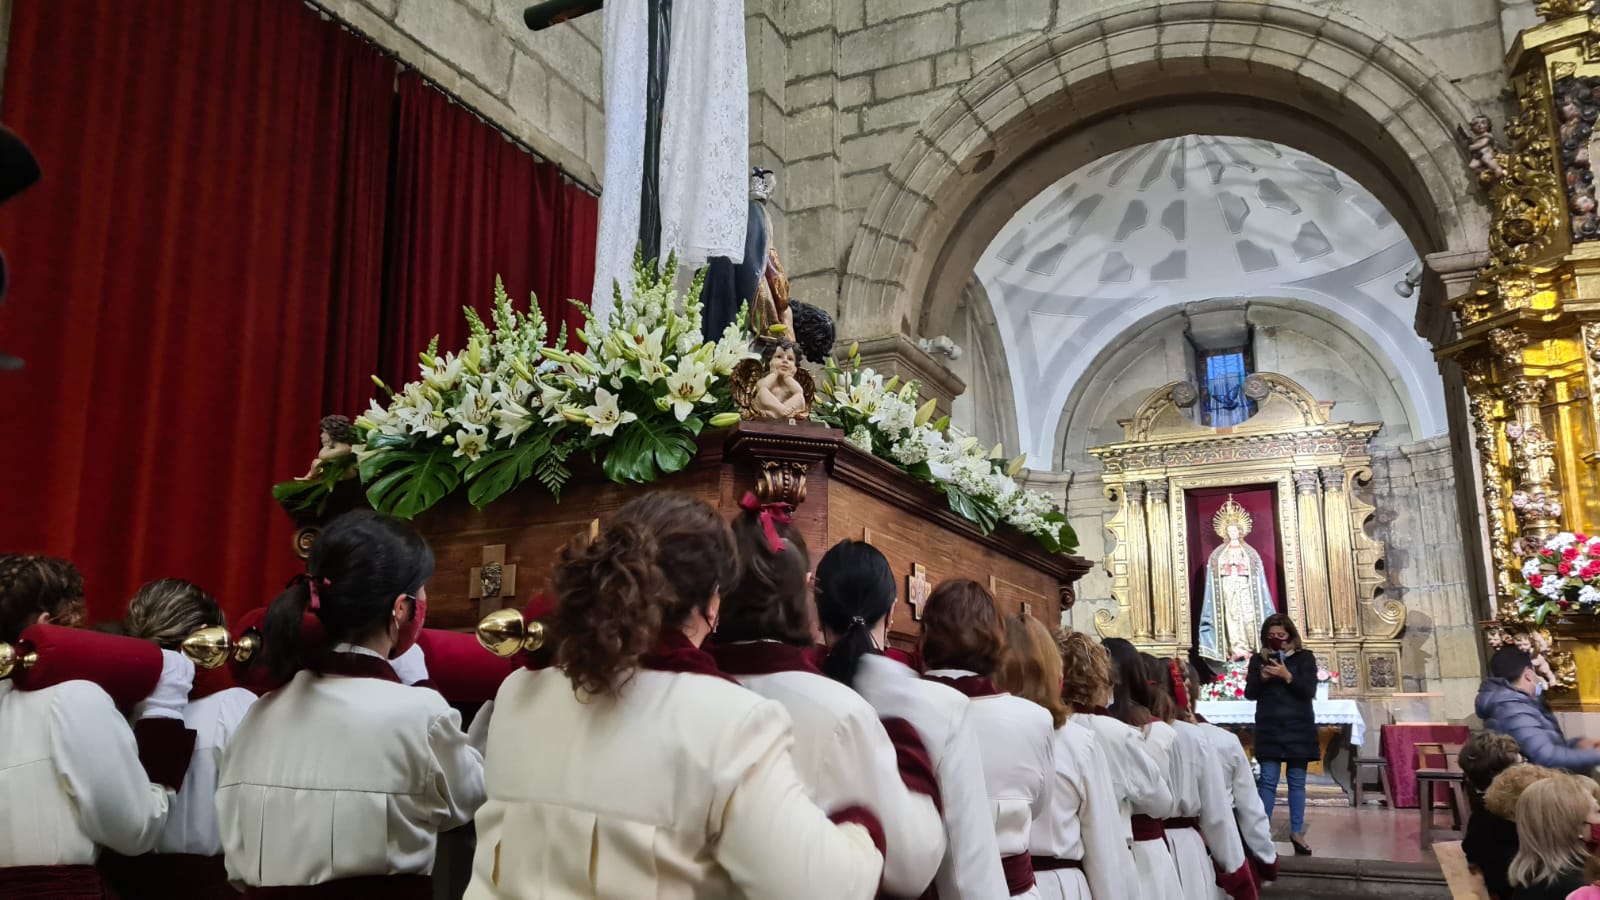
[
  {"x": 884, "y": 419},
  {"x": 1229, "y": 685},
  {"x": 1563, "y": 574}
]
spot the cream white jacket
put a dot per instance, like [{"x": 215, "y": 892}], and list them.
[
  {"x": 1234, "y": 770},
  {"x": 192, "y": 827},
  {"x": 70, "y": 779},
  {"x": 1082, "y": 822},
  {"x": 1201, "y": 792},
  {"x": 333, "y": 777},
  {"x": 970, "y": 869},
  {"x": 680, "y": 787},
  {"x": 845, "y": 758}
]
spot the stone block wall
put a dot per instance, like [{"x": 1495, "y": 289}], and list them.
[{"x": 544, "y": 88}]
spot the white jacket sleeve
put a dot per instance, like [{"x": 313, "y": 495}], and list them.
[
  {"x": 1247, "y": 809},
  {"x": 774, "y": 843},
  {"x": 99, "y": 763},
  {"x": 457, "y": 772},
  {"x": 971, "y": 869},
  {"x": 864, "y": 769},
  {"x": 1216, "y": 811},
  {"x": 1149, "y": 793},
  {"x": 1107, "y": 860}
]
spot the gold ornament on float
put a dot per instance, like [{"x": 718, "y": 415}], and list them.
[{"x": 1231, "y": 513}]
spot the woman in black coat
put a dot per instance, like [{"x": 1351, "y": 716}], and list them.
[{"x": 1283, "y": 682}]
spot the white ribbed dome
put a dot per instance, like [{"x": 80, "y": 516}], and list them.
[{"x": 1178, "y": 221}]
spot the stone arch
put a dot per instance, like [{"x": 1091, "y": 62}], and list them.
[{"x": 1312, "y": 78}]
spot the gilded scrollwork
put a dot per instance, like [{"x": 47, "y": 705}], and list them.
[
  {"x": 1527, "y": 203},
  {"x": 1561, "y": 9}
]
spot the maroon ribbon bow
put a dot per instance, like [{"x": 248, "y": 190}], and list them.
[
  {"x": 1179, "y": 691},
  {"x": 772, "y": 515},
  {"x": 313, "y": 583}
]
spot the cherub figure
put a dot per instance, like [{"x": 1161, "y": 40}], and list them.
[
  {"x": 1481, "y": 154},
  {"x": 776, "y": 387},
  {"x": 337, "y": 434}
]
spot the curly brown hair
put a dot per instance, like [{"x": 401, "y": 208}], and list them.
[
  {"x": 961, "y": 628},
  {"x": 1031, "y": 666},
  {"x": 32, "y": 586},
  {"x": 1085, "y": 671},
  {"x": 661, "y": 557}
]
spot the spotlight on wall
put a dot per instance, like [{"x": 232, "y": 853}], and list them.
[
  {"x": 941, "y": 345},
  {"x": 1408, "y": 285},
  {"x": 540, "y": 16}
]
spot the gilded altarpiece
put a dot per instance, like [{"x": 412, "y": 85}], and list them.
[
  {"x": 1527, "y": 334},
  {"x": 1331, "y": 568}
]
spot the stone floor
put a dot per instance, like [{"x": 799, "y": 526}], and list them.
[{"x": 1358, "y": 853}]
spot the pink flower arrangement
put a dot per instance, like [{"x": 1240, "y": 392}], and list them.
[{"x": 1229, "y": 686}]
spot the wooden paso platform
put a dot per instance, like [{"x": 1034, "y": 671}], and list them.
[{"x": 838, "y": 492}]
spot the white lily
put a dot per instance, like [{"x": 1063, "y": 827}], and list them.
[
  {"x": 444, "y": 375},
  {"x": 513, "y": 419},
  {"x": 471, "y": 441},
  {"x": 686, "y": 387},
  {"x": 604, "y": 416}
]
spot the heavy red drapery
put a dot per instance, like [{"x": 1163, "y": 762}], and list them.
[
  {"x": 469, "y": 205},
  {"x": 1260, "y": 501},
  {"x": 206, "y": 206}
]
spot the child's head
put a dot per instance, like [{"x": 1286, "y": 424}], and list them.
[
  {"x": 1553, "y": 817},
  {"x": 768, "y": 599},
  {"x": 168, "y": 610},
  {"x": 37, "y": 589},
  {"x": 1485, "y": 755}
]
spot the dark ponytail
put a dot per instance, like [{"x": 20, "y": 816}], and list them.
[
  {"x": 768, "y": 600},
  {"x": 660, "y": 558},
  {"x": 360, "y": 563},
  {"x": 1130, "y": 695},
  {"x": 855, "y": 589}
]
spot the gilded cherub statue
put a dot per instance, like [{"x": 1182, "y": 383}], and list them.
[
  {"x": 337, "y": 434},
  {"x": 774, "y": 387}
]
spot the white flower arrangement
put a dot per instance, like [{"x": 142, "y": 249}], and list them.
[
  {"x": 889, "y": 420},
  {"x": 509, "y": 407}
]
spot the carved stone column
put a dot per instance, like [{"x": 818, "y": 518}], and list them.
[
  {"x": 1163, "y": 594},
  {"x": 1138, "y": 561},
  {"x": 1313, "y": 554},
  {"x": 1341, "y": 565}
]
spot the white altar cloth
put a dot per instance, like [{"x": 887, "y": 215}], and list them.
[{"x": 1327, "y": 712}]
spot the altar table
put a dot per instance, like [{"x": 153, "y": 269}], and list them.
[
  {"x": 1398, "y": 745},
  {"x": 1235, "y": 713}
]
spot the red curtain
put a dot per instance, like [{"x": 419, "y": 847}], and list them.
[
  {"x": 195, "y": 281},
  {"x": 1261, "y": 502},
  {"x": 468, "y": 205}
]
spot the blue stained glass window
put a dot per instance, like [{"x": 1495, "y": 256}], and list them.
[{"x": 1224, "y": 402}]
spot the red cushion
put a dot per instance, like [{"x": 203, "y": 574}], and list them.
[
  {"x": 126, "y": 668},
  {"x": 460, "y": 668}
]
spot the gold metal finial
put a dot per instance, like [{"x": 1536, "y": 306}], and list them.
[
  {"x": 210, "y": 648},
  {"x": 505, "y": 633},
  {"x": 12, "y": 661}
]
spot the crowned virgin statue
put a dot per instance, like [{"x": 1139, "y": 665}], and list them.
[{"x": 1237, "y": 599}]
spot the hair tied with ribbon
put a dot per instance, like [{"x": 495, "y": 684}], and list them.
[
  {"x": 315, "y": 584},
  {"x": 858, "y": 622},
  {"x": 771, "y": 516},
  {"x": 1179, "y": 690}
]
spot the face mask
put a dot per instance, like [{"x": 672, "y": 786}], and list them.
[
  {"x": 1275, "y": 643},
  {"x": 1538, "y": 689},
  {"x": 407, "y": 638},
  {"x": 1594, "y": 838}
]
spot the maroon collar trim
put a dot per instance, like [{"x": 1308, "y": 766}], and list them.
[
  {"x": 674, "y": 652},
  {"x": 357, "y": 665},
  {"x": 761, "y": 658},
  {"x": 971, "y": 685}
]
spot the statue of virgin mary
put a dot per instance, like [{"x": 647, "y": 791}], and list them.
[{"x": 1237, "y": 598}]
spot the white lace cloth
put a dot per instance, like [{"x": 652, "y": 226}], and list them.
[
  {"x": 705, "y": 138},
  {"x": 626, "y": 52},
  {"x": 1327, "y": 712}
]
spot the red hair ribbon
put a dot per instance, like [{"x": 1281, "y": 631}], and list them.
[
  {"x": 1179, "y": 691},
  {"x": 312, "y": 583},
  {"x": 771, "y": 515}
]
